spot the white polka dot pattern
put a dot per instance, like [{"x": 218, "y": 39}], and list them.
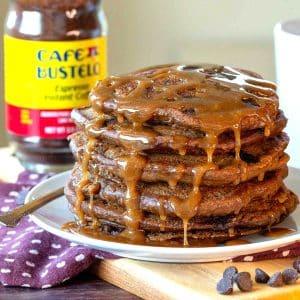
[
  {"x": 46, "y": 286},
  {"x": 13, "y": 194},
  {"x": 11, "y": 232},
  {"x": 60, "y": 264},
  {"x": 36, "y": 241},
  {"x": 291, "y": 250},
  {"x": 248, "y": 258},
  {"x": 9, "y": 200},
  {"x": 44, "y": 273},
  {"x": 30, "y": 264},
  {"x": 285, "y": 253},
  {"x": 30, "y": 256},
  {"x": 26, "y": 275},
  {"x": 5, "y": 208},
  {"x": 99, "y": 256},
  {"x": 33, "y": 251},
  {"x": 79, "y": 257},
  {"x": 52, "y": 256},
  {"x": 33, "y": 176},
  {"x": 15, "y": 245}
]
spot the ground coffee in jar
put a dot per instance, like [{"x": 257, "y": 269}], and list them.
[{"x": 55, "y": 51}]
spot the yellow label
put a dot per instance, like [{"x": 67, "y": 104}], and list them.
[{"x": 52, "y": 74}]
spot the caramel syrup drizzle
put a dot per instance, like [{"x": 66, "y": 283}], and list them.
[
  {"x": 85, "y": 181},
  {"x": 221, "y": 98},
  {"x": 132, "y": 167},
  {"x": 93, "y": 189}
]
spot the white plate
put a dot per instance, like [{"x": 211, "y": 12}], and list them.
[{"x": 53, "y": 215}]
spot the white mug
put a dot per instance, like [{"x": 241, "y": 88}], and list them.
[{"x": 287, "y": 60}]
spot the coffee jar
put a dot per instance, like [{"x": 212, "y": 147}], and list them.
[{"x": 54, "y": 52}]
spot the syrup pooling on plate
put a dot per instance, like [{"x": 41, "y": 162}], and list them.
[
  {"x": 236, "y": 242},
  {"x": 276, "y": 232},
  {"x": 216, "y": 99}
]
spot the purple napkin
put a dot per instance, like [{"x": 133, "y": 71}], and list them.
[
  {"x": 30, "y": 256},
  {"x": 291, "y": 250}
]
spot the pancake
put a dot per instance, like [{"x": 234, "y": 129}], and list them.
[
  {"x": 179, "y": 153},
  {"x": 161, "y": 200},
  {"x": 165, "y": 136},
  {"x": 256, "y": 217},
  {"x": 180, "y": 95},
  {"x": 173, "y": 168}
]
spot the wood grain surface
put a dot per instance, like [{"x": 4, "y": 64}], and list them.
[{"x": 164, "y": 281}]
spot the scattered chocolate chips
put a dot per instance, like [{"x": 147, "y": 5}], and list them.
[
  {"x": 296, "y": 265},
  {"x": 230, "y": 272},
  {"x": 245, "y": 284},
  {"x": 289, "y": 276},
  {"x": 276, "y": 280},
  {"x": 261, "y": 276},
  {"x": 244, "y": 281},
  {"x": 224, "y": 286}
]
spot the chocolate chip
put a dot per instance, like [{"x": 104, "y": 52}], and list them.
[
  {"x": 224, "y": 286},
  {"x": 289, "y": 276},
  {"x": 171, "y": 99},
  {"x": 230, "y": 272},
  {"x": 276, "y": 280},
  {"x": 250, "y": 102},
  {"x": 190, "y": 67},
  {"x": 189, "y": 111},
  {"x": 249, "y": 158},
  {"x": 261, "y": 276},
  {"x": 296, "y": 264},
  {"x": 243, "y": 281}
]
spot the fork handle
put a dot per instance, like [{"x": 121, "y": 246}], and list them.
[{"x": 13, "y": 217}]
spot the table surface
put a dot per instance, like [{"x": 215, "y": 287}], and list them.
[{"x": 85, "y": 286}]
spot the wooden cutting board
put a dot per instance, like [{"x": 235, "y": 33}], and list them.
[{"x": 163, "y": 281}]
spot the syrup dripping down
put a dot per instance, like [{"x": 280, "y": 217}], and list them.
[{"x": 216, "y": 104}]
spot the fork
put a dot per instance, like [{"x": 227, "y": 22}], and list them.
[{"x": 13, "y": 217}]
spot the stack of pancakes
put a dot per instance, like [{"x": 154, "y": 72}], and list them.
[{"x": 180, "y": 153}]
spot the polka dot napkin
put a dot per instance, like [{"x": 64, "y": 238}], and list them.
[
  {"x": 291, "y": 250},
  {"x": 30, "y": 256}
]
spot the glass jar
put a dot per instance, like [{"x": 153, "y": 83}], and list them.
[{"x": 55, "y": 51}]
